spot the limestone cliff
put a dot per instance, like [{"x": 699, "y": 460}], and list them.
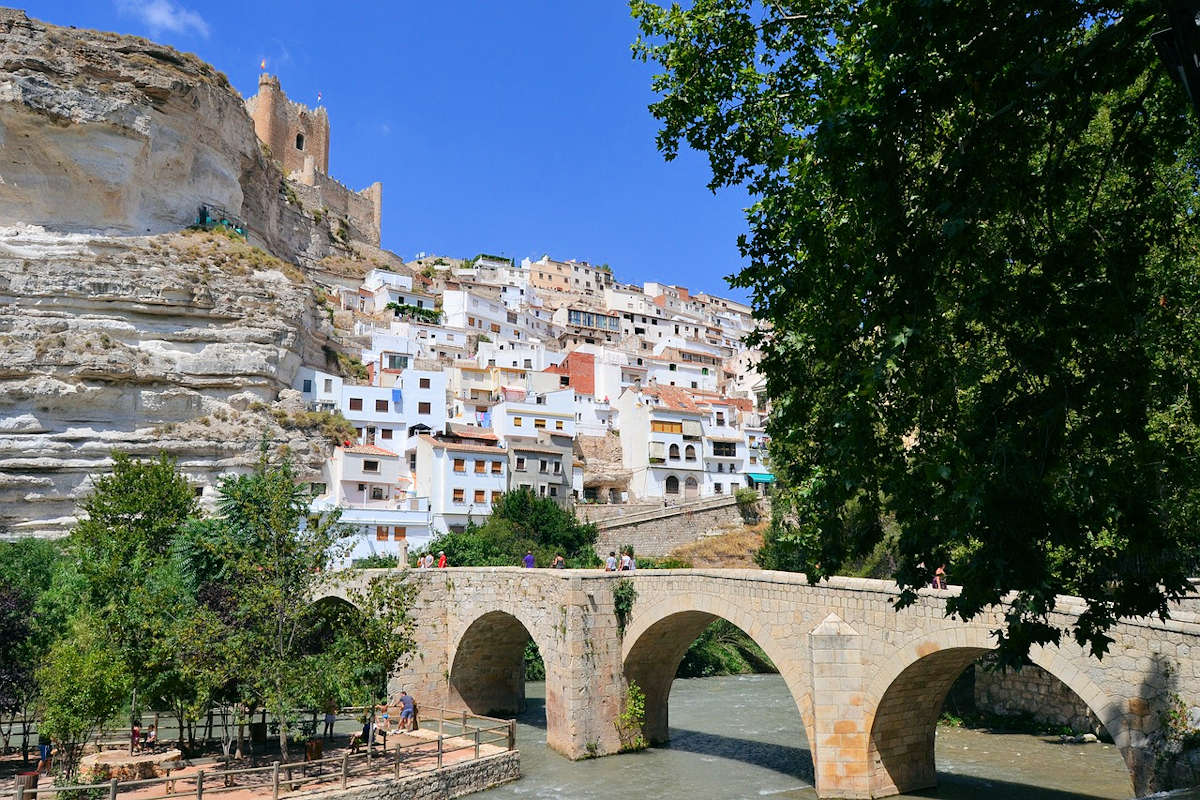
[
  {"x": 116, "y": 330},
  {"x": 102, "y": 133},
  {"x": 185, "y": 343}
]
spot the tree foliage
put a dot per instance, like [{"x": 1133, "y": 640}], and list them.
[
  {"x": 974, "y": 242},
  {"x": 521, "y": 521},
  {"x": 27, "y": 568},
  {"x": 84, "y": 682},
  {"x": 161, "y": 608}
]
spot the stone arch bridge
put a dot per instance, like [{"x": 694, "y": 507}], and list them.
[{"x": 868, "y": 681}]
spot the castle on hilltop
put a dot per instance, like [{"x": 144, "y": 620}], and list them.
[{"x": 298, "y": 138}]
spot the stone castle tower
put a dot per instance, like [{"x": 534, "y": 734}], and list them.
[
  {"x": 298, "y": 138},
  {"x": 294, "y": 132}
]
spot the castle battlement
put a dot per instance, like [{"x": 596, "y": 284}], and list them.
[
  {"x": 298, "y": 138},
  {"x": 291, "y": 130}
]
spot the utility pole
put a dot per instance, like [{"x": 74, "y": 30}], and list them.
[{"x": 1179, "y": 47}]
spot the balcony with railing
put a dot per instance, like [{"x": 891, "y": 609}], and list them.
[{"x": 399, "y": 510}]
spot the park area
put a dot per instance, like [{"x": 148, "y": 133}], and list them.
[{"x": 443, "y": 741}]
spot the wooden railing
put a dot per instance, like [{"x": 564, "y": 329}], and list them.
[{"x": 457, "y": 732}]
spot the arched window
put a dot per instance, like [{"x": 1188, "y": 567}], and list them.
[
  {"x": 674, "y": 451},
  {"x": 691, "y": 488},
  {"x": 672, "y": 484},
  {"x": 299, "y": 141},
  {"x": 690, "y": 453}
]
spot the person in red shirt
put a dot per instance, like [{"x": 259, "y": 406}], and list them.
[{"x": 441, "y": 559}]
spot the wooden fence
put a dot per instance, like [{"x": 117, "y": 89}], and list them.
[{"x": 457, "y": 732}]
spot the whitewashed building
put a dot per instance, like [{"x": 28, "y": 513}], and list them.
[
  {"x": 375, "y": 492},
  {"x": 462, "y": 474}
]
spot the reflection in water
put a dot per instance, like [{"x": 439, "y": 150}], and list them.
[{"x": 741, "y": 737}]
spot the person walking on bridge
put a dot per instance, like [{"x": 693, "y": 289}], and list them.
[
  {"x": 441, "y": 559},
  {"x": 529, "y": 562}
]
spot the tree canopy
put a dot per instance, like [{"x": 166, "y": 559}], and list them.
[
  {"x": 973, "y": 244},
  {"x": 520, "y": 521},
  {"x": 151, "y": 604}
]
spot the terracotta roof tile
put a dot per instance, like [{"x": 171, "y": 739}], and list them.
[
  {"x": 369, "y": 450},
  {"x": 672, "y": 398},
  {"x": 471, "y": 432},
  {"x": 463, "y": 448}
]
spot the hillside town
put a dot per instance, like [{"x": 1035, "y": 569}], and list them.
[
  {"x": 486, "y": 376},
  {"x": 473, "y": 377}
]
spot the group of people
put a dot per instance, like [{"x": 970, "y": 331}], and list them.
[
  {"x": 623, "y": 563},
  {"x": 426, "y": 561},
  {"x": 140, "y": 740},
  {"x": 614, "y": 563},
  {"x": 378, "y": 728},
  {"x": 529, "y": 562}
]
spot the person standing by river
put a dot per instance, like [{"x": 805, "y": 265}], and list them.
[
  {"x": 330, "y": 718},
  {"x": 408, "y": 711}
]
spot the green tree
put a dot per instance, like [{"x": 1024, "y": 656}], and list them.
[
  {"x": 84, "y": 682},
  {"x": 974, "y": 243},
  {"x": 520, "y": 521},
  {"x": 278, "y": 562},
  {"x": 127, "y": 523},
  {"x": 27, "y": 570},
  {"x": 278, "y": 559},
  {"x": 123, "y": 576}
]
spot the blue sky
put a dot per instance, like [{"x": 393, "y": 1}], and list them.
[{"x": 510, "y": 126}]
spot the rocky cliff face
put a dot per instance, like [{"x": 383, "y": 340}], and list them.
[
  {"x": 110, "y": 134},
  {"x": 116, "y": 331},
  {"x": 182, "y": 343}
]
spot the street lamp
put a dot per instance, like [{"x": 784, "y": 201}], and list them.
[{"x": 1179, "y": 46}]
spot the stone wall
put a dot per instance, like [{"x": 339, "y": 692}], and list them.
[
  {"x": 599, "y": 512},
  {"x": 1035, "y": 692},
  {"x": 660, "y": 530},
  {"x": 336, "y": 204},
  {"x": 449, "y": 782}
]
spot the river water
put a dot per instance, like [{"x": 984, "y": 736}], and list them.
[{"x": 741, "y": 737}]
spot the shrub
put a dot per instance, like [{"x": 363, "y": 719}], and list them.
[
  {"x": 632, "y": 719},
  {"x": 376, "y": 561},
  {"x": 352, "y": 367},
  {"x": 624, "y": 596},
  {"x": 747, "y": 500}
]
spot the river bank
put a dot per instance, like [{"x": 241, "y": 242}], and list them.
[{"x": 740, "y": 736}]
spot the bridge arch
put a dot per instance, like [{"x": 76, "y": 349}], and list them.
[
  {"x": 660, "y": 634},
  {"x": 487, "y": 664},
  {"x": 906, "y": 695}
]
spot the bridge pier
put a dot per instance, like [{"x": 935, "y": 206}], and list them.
[{"x": 839, "y": 730}]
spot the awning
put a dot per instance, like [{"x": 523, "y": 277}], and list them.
[
  {"x": 691, "y": 427},
  {"x": 761, "y": 477},
  {"x": 658, "y": 450}
]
